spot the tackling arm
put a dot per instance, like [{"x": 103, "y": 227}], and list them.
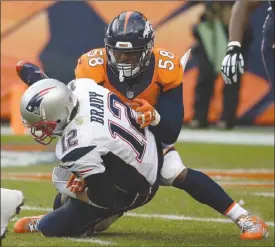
[{"x": 170, "y": 108}]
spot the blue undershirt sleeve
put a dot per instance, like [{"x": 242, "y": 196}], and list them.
[{"x": 171, "y": 110}]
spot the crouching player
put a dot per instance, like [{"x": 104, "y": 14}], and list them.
[{"x": 100, "y": 143}]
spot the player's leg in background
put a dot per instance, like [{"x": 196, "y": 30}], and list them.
[
  {"x": 230, "y": 103},
  {"x": 268, "y": 47},
  {"x": 11, "y": 201},
  {"x": 204, "y": 87},
  {"x": 206, "y": 191},
  {"x": 231, "y": 92},
  {"x": 201, "y": 187}
]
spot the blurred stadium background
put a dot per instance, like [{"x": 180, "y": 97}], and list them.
[{"x": 53, "y": 34}]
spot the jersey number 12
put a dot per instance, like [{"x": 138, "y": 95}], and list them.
[{"x": 116, "y": 107}]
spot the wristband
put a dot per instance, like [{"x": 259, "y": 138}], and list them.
[
  {"x": 157, "y": 119},
  {"x": 234, "y": 43}
]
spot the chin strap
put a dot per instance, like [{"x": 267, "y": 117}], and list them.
[{"x": 121, "y": 76}]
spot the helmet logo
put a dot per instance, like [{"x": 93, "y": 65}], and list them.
[
  {"x": 123, "y": 44},
  {"x": 35, "y": 102},
  {"x": 147, "y": 29},
  {"x": 130, "y": 95}
]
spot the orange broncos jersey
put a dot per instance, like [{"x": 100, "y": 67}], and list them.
[{"x": 164, "y": 72}]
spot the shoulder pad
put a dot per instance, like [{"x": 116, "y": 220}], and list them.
[
  {"x": 168, "y": 69},
  {"x": 92, "y": 65}
]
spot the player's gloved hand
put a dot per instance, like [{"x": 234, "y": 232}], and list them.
[
  {"x": 75, "y": 184},
  {"x": 233, "y": 63},
  {"x": 147, "y": 114},
  {"x": 29, "y": 72}
]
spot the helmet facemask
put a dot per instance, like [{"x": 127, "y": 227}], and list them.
[
  {"x": 129, "y": 62},
  {"x": 45, "y": 131},
  {"x": 46, "y": 108},
  {"x": 42, "y": 132},
  {"x": 129, "y": 40}
]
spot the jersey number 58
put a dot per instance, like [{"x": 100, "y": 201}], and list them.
[
  {"x": 94, "y": 61},
  {"x": 167, "y": 64}
]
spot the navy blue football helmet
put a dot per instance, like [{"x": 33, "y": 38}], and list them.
[{"x": 129, "y": 41}]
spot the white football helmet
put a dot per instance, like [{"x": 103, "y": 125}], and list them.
[{"x": 47, "y": 107}]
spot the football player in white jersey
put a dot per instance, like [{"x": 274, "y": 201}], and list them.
[
  {"x": 11, "y": 202},
  {"x": 100, "y": 143}
]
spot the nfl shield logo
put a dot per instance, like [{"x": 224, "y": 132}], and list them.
[{"x": 130, "y": 94}]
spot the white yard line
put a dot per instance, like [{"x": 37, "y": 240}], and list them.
[
  {"x": 90, "y": 240},
  {"x": 234, "y": 170},
  {"x": 31, "y": 208},
  {"x": 238, "y": 170},
  {"x": 245, "y": 183},
  {"x": 229, "y": 137},
  {"x": 264, "y": 194},
  {"x": 24, "y": 179},
  {"x": 182, "y": 217},
  {"x": 156, "y": 216},
  {"x": 211, "y": 136},
  {"x": 221, "y": 181}
]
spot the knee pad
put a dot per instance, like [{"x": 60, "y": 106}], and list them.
[{"x": 172, "y": 167}]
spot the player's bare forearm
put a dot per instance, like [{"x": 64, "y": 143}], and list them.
[{"x": 239, "y": 18}]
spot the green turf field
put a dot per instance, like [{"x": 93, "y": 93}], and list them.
[{"x": 173, "y": 218}]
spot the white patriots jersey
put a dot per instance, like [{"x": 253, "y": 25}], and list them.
[{"x": 104, "y": 124}]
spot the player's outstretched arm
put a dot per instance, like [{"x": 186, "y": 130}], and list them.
[{"x": 29, "y": 73}]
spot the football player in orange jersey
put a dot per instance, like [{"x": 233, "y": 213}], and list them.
[{"x": 150, "y": 79}]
